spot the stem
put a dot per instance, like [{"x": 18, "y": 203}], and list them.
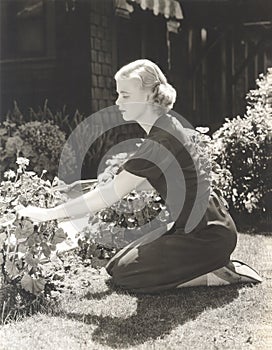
[
  {"x": 3, "y": 312},
  {"x": 2, "y": 272},
  {"x": 50, "y": 201},
  {"x": 8, "y": 240},
  {"x": 16, "y": 178},
  {"x": 15, "y": 251}
]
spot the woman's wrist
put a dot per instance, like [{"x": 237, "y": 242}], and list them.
[{"x": 57, "y": 213}]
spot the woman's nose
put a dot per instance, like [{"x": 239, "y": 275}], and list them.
[{"x": 117, "y": 101}]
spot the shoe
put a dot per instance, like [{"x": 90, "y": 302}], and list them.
[{"x": 245, "y": 272}]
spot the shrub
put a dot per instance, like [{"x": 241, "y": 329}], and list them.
[
  {"x": 243, "y": 146},
  {"x": 220, "y": 178},
  {"x": 40, "y": 141},
  {"x": 24, "y": 246},
  {"x": 67, "y": 123}
]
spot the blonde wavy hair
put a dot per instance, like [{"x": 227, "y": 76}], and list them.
[{"x": 162, "y": 95}]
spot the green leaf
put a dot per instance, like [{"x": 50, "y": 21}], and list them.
[
  {"x": 3, "y": 131},
  {"x": 11, "y": 268},
  {"x": 46, "y": 249},
  {"x": 30, "y": 260},
  {"x": 53, "y": 247},
  {"x": 20, "y": 264},
  {"x": 91, "y": 249},
  {"x": 31, "y": 240},
  {"x": 22, "y": 248},
  {"x": 59, "y": 236},
  {"x": 33, "y": 285},
  {"x": 3, "y": 206},
  {"x": 24, "y": 230},
  {"x": 3, "y": 237}
]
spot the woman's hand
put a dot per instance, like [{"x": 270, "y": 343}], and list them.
[{"x": 35, "y": 214}]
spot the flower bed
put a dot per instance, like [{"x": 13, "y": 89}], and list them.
[
  {"x": 25, "y": 246},
  {"x": 28, "y": 274}
]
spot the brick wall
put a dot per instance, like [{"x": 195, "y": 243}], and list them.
[
  {"x": 103, "y": 64},
  {"x": 101, "y": 44}
]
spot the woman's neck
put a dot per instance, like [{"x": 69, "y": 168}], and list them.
[{"x": 147, "y": 120}]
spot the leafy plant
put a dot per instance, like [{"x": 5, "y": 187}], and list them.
[
  {"x": 243, "y": 145},
  {"x": 220, "y": 178},
  {"x": 67, "y": 124},
  {"x": 61, "y": 118},
  {"x": 25, "y": 246},
  {"x": 40, "y": 141},
  {"x": 110, "y": 229}
]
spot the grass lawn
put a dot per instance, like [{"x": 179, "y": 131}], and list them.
[{"x": 93, "y": 315}]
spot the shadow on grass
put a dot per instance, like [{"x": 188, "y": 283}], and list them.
[
  {"x": 156, "y": 315},
  {"x": 253, "y": 232}
]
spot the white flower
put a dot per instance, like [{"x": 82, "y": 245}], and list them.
[
  {"x": 248, "y": 206},
  {"x": 7, "y": 219},
  {"x": 10, "y": 174},
  {"x": 122, "y": 155},
  {"x": 202, "y": 129},
  {"x": 30, "y": 173},
  {"x": 22, "y": 161},
  {"x": 234, "y": 191}
]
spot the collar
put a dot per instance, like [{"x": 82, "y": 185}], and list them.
[{"x": 161, "y": 123}]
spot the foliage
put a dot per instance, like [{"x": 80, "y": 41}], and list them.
[
  {"x": 243, "y": 146},
  {"x": 67, "y": 124},
  {"x": 40, "y": 141},
  {"x": 113, "y": 228},
  {"x": 26, "y": 246},
  {"x": 110, "y": 229},
  {"x": 220, "y": 178},
  {"x": 61, "y": 118}
]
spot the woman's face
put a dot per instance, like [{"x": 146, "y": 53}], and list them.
[{"x": 132, "y": 98}]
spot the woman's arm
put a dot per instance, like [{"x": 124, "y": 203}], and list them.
[{"x": 89, "y": 203}]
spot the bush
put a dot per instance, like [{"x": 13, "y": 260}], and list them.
[
  {"x": 243, "y": 146},
  {"x": 220, "y": 178},
  {"x": 25, "y": 247},
  {"x": 40, "y": 141},
  {"x": 67, "y": 123}
]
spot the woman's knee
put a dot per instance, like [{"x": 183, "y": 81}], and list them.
[
  {"x": 119, "y": 276},
  {"x": 123, "y": 267}
]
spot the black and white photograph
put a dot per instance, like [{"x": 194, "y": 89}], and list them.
[{"x": 136, "y": 174}]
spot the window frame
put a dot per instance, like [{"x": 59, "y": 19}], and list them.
[{"x": 50, "y": 37}]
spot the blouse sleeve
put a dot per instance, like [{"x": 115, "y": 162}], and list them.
[{"x": 151, "y": 159}]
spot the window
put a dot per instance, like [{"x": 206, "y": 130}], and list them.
[{"x": 25, "y": 30}]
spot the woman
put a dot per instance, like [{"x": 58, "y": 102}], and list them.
[{"x": 196, "y": 249}]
